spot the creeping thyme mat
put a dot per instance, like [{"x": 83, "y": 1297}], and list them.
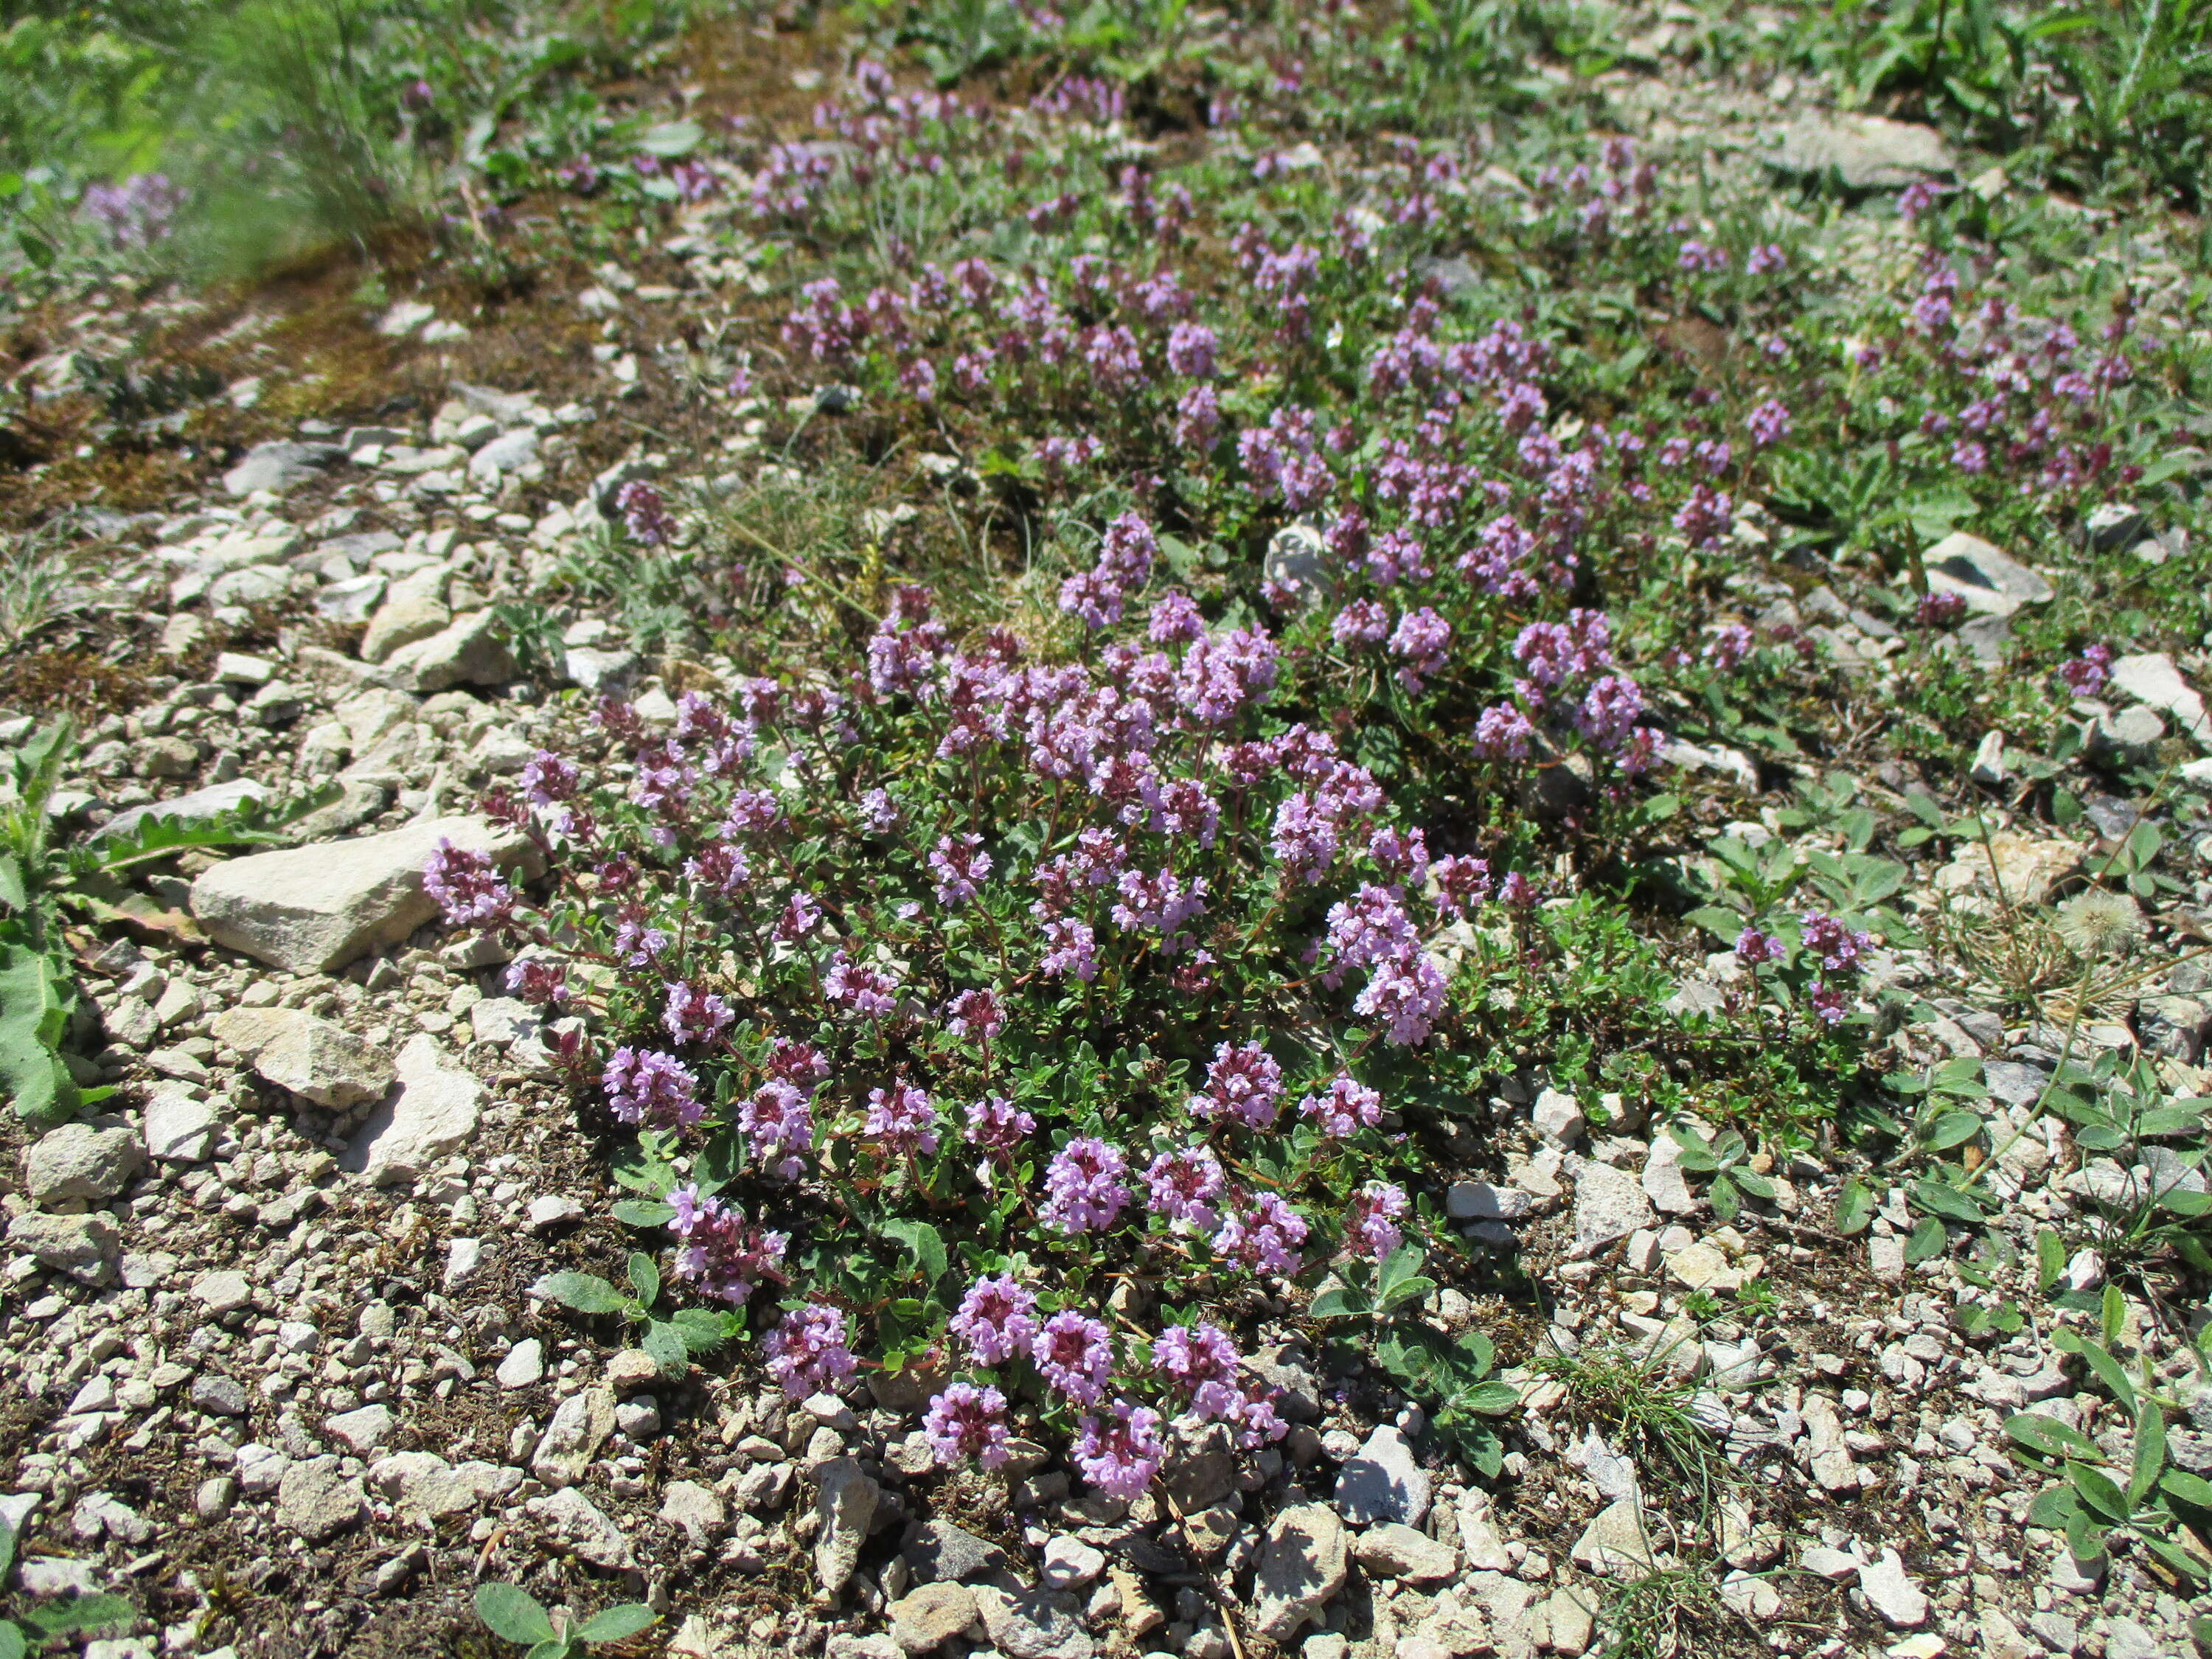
[{"x": 934, "y": 829}]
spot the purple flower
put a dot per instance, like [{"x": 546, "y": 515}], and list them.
[
  {"x": 1502, "y": 732},
  {"x": 538, "y": 981},
  {"x": 1406, "y": 993},
  {"x": 547, "y": 778},
  {"x": 645, "y": 515},
  {"x": 1348, "y": 1105},
  {"x": 1074, "y": 953},
  {"x": 1462, "y": 883},
  {"x": 1191, "y": 347},
  {"x": 1074, "y": 1355},
  {"x": 997, "y": 1320},
  {"x": 1121, "y": 1453},
  {"x": 1264, "y": 1235},
  {"x": 1363, "y": 622},
  {"x": 777, "y": 1120},
  {"x": 1242, "y": 1083},
  {"x": 1768, "y": 424},
  {"x": 720, "y": 868},
  {"x": 1828, "y": 1003},
  {"x": 645, "y": 1086},
  {"x": 1370, "y": 927},
  {"x": 1181, "y": 1186},
  {"x": 859, "y": 989},
  {"x": 967, "y": 1423},
  {"x": 1765, "y": 257},
  {"x": 958, "y": 862},
  {"x": 1941, "y": 611},
  {"x": 695, "y": 1016},
  {"x": 1084, "y": 1188},
  {"x": 903, "y": 1118},
  {"x": 1838, "y": 947},
  {"x": 1730, "y": 644},
  {"x": 1175, "y": 620},
  {"x": 725, "y": 1253},
  {"x": 1199, "y": 1363},
  {"x": 468, "y": 887},
  {"x": 806, "y": 1352},
  {"x": 879, "y": 813},
  {"x": 1754, "y": 947},
  {"x": 1157, "y": 902},
  {"x": 997, "y": 1125},
  {"x": 976, "y": 1013},
  {"x": 2086, "y": 675},
  {"x": 1371, "y": 1226},
  {"x": 800, "y": 913}
]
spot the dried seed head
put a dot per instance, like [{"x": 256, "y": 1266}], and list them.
[{"x": 2098, "y": 923}]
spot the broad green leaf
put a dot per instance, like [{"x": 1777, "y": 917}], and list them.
[
  {"x": 2084, "y": 1536},
  {"x": 616, "y": 1624},
  {"x": 2191, "y": 1489},
  {"x": 2100, "y": 1492},
  {"x": 2051, "y": 1508},
  {"x": 2184, "y": 1561},
  {"x": 2049, "y": 1436},
  {"x": 7, "y": 1550},
  {"x": 1940, "y": 1198},
  {"x": 1339, "y": 1301},
  {"x": 1490, "y": 1398},
  {"x": 2111, "y": 1374},
  {"x": 1927, "y": 1241},
  {"x": 924, "y": 1244},
  {"x": 665, "y": 1343},
  {"x": 81, "y": 1613},
  {"x": 512, "y": 1614},
  {"x": 1953, "y": 1129},
  {"x": 587, "y": 1293},
  {"x": 2150, "y": 1453},
  {"x": 11, "y": 1641},
  {"x": 644, "y": 1213},
  {"x": 554, "y": 1648},
  {"x": 2049, "y": 1259},
  {"x": 702, "y": 1330},
  {"x": 1855, "y": 1206},
  {"x": 644, "y": 1277}
]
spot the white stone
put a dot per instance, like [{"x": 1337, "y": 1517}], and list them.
[
  {"x": 432, "y": 1111},
  {"x": 524, "y": 1364},
  {"x": 315, "y": 1059}
]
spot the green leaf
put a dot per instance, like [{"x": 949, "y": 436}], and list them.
[
  {"x": 616, "y": 1624},
  {"x": 2150, "y": 1454},
  {"x": 1940, "y": 1198},
  {"x": 2112, "y": 1318},
  {"x": 2053, "y": 1507},
  {"x": 1721, "y": 1194},
  {"x": 2084, "y": 1536},
  {"x": 1927, "y": 1240},
  {"x": 2191, "y": 1489},
  {"x": 2049, "y": 1260},
  {"x": 11, "y": 1641},
  {"x": 644, "y": 1213},
  {"x": 665, "y": 1343},
  {"x": 2182, "y": 1561},
  {"x": 2111, "y": 1374},
  {"x": 7, "y": 1550},
  {"x": 2099, "y": 1491},
  {"x": 2048, "y": 1436},
  {"x": 554, "y": 1648},
  {"x": 1855, "y": 1206},
  {"x": 644, "y": 1277},
  {"x": 13, "y": 892},
  {"x": 702, "y": 1330},
  {"x": 1695, "y": 1157},
  {"x": 1489, "y": 1399},
  {"x": 1401, "y": 1281},
  {"x": 83, "y": 1612},
  {"x": 587, "y": 1293},
  {"x": 924, "y": 1244},
  {"x": 1723, "y": 925},
  {"x": 1953, "y": 1129},
  {"x": 512, "y": 1614},
  {"x": 1339, "y": 1302}
]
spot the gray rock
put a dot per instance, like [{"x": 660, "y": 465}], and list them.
[
  {"x": 574, "y": 1437},
  {"x": 938, "y": 1551},
  {"x": 1557, "y": 1116},
  {"x": 1478, "y": 1200},
  {"x": 358, "y": 549},
  {"x": 1866, "y": 151},
  {"x": 225, "y": 1396},
  {"x": 931, "y": 1615},
  {"x": 414, "y": 609},
  {"x": 363, "y": 1430},
  {"x": 1615, "y": 1544},
  {"x": 1070, "y": 1564},
  {"x": 85, "y": 1247},
  {"x": 1988, "y": 578},
  {"x": 2012, "y": 1082},
  {"x": 1890, "y": 1592},
  {"x": 1392, "y": 1551},
  {"x": 1294, "y": 556},
  {"x": 601, "y": 673},
  {"x": 1032, "y": 1623},
  {"x": 431, "y": 1112},
  {"x": 354, "y": 599},
  {"x": 279, "y": 466},
  {"x": 314, "y": 1058},
  {"x": 313, "y": 910},
  {"x": 469, "y": 651},
  {"x": 695, "y": 1509},
  {"x": 585, "y": 1529},
  {"x": 2152, "y": 678},
  {"x": 223, "y": 1293},
  {"x": 1303, "y": 1566},
  {"x": 845, "y": 1505},
  {"x": 1609, "y": 1205},
  {"x": 318, "y": 1503},
  {"x": 199, "y": 807},
  {"x": 421, "y": 1486},
  {"x": 2126, "y": 1639},
  {"x": 1663, "y": 1180},
  {"x": 82, "y": 1161},
  {"x": 524, "y": 1364},
  {"x": 1384, "y": 1482},
  {"x": 508, "y": 452},
  {"x": 180, "y": 1127},
  {"x": 2128, "y": 737}
]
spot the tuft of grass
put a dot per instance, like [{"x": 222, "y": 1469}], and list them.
[
  {"x": 1631, "y": 1396},
  {"x": 1665, "y": 1614}
]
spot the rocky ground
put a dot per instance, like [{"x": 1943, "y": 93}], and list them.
[{"x": 278, "y": 1373}]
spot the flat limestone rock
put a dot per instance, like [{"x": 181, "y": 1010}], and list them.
[
  {"x": 314, "y": 1058},
  {"x": 431, "y": 1112},
  {"x": 1867, "y": 152},
  {"x": 313, "y": 910},
  {"x": 1989, "y": 579}
]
